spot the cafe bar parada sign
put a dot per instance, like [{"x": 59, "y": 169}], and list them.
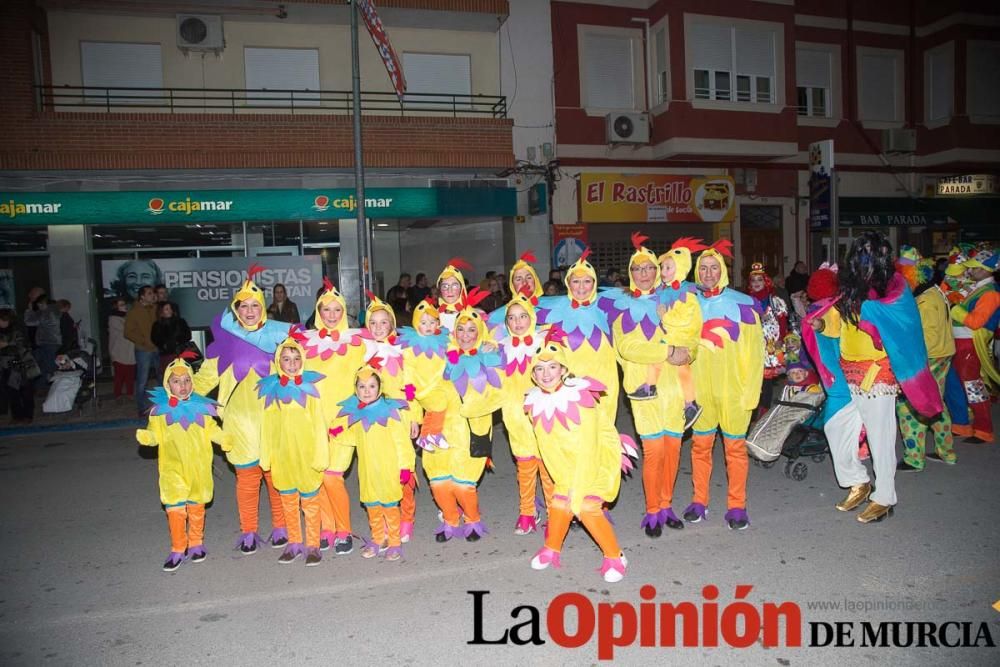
[
  {"x": 975, "y": 184},
  {"x": 637, "y": 198}
]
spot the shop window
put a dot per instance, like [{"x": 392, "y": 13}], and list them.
[
  {"x": 813, "y": 81},
  {"x": 116, "y": 66},
  {"x": 609, "y": 67},
  {"x": 719, "y": 52},
  {"x": 290, "y": 73},
  {"x": 880, "y": 85},
  {"x": 983, "y": 79},
  {"x": 939, "y": 68},
  {"x": 436, "y": 74}
]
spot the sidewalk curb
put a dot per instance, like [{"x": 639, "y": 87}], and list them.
[{"x": 62, "y": 428}]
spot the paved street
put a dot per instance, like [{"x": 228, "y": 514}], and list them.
[{"x": 84, "y": 538}]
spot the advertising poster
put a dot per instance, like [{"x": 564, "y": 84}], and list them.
[
  {"x": 820, "y": 171},
  {"x": 637, "y": 198},
  {"x": 568, "y": 243},
  {"x": 203, "y": 287}
]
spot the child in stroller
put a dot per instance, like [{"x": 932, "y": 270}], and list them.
[
  {"x": 794, "y": 427},
  {"x": 73, "y": 383}
]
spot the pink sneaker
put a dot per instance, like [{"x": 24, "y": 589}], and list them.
[
  {"x": 613, "y": 569},
  {"x": 544, "y": 558},
  {"x": 405, "y": 531},
  {"x": 525, "y": 525}
]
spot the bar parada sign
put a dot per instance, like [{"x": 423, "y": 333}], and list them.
[{"x": 974, "y": 184}]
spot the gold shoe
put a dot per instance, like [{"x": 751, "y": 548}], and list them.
[
  {"x": 875, "y": 512},
  {"x": 859, "y": 494}
]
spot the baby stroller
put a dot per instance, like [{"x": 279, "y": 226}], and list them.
[
  {"x": 793, "y": 428},
  {"x": 74, "y": 383}
]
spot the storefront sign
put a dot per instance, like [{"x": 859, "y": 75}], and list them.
[
  {"x": 637, "y": 198},
  {"x": 820, "y": 175},
  {"x": 191, "y": 206},
  {"x": 568, "y": 243},
  {"x": 203, "y": 288},
  {"x": 894, "y": 212},
  {"x": 961, "y": 186}
]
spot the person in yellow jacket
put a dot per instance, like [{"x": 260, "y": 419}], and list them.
[
  {"x": 455, "y": 458},
  {"x": 182, "y": 425},
  {"x": 579, "y": 314},
  {"x": 332, "y": 349},
  {"x": 728, "y": 372},
  {"x": 582, "y": 451},
  {"x": 241, "y": 353},
  {"x": 522, "y": 340},
  {"x": 377, "y": 430},
  {"x": 451, "y": 291},
  {"x": 641, "y": 343},
  {"x": 294, "y": 447}
]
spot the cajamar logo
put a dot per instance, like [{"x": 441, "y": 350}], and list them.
[
  {"x": 187, "y": 206},
  {"x": 12, "y": 209}
]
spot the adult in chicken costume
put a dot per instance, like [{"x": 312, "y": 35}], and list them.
[
  {"x": 589, "y": 348},
  {"x": 522, "y": 340},
  {"x": 331, "y": 349},
  {"x": 294, "y": 446},
  {"x": 451, "y": 291},
  {"x": 641, "y": 343},
  {"x": 181, "y": 424},
  {"x": 243, "y": 347},
  {"x": 377, "y": 430},
  {"x": 523, "y": 279},
  {"x": 728, "y": 372},
  {"x": 455, "y": 457},
  {"x": 975, "y": 320},
  {"x": 583, "y": 452},
  {"x": 875, "y": 318}
]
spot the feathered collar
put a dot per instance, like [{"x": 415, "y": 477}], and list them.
[
  {"x": 563, "y": 405},
  {"x": 634, "y": 311},
  {"x": 581, "y": 323},
  {"x": 389, "y": 352},
  {"x": 516, "y": 352},
  {"x": 241, "y": 351},
  {"x": 431, "y": 346},
  {"x": 324, "y": 343},
  {"x": 723, "y": 314},
  {"x": 678, "y": 291},
  {"x": 282, "y": 389},
  {"x": 192, "y": 410},
  {"x": 474, "y": 367},
  {"x": 379, "y": 411}
]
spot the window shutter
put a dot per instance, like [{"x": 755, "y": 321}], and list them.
[
  {"x": 437, "y": 73},
  {"x": 755, "y": 52},
  {"x": 660, "y": 40},
  {"x": 609, "y": 72},
  {"x": 878, "y": 87},
  {"x": 111, "y": 64},
  {"x": 712, "y": 46},
  {"x": 812, "y": 68},
  {"x": 282, "y": 69},
  {"x": 941, "y": 75},
  {"x": 984, "y": 78}
]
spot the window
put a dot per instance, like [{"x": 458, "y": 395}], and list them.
[
  {"x": 662, "y": 71},
  {"x": 609, "y": 71},
  {"x": 721, "y": 53},
  {"x": 940, "y": 78},
  {"x": 813, "y": 76},
  {"x": 437, "y": 74},
  {"x": 879, "y": 85},
  {"x": 112, "y": 65},
  {"x": 983, "y": 79},
  {"x": 287, "y": 72}
]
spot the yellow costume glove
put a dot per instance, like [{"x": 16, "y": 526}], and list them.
[
  {"x": 145, "y": 437},
  {"x": 959, "y": 313}
]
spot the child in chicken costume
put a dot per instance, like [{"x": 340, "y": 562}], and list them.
[
  {"x": 728, "y": 373},
  {"x": 243, "y": 347},
  {"x": 294, "y": 446},
  {"x": 182, "y": 425},
  {"x": 582, "y": 451},
  {"x": 451, "y": 291},
  {"x": 332, "y": 349},
  {"x": 378, "y": 431}
]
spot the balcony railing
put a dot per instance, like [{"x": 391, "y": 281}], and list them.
[{"x": 243, "y": 101}]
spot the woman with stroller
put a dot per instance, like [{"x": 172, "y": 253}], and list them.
[{"x": 171, "y": 333}]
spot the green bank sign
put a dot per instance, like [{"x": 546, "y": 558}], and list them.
[{"x": 190, "y": 206}]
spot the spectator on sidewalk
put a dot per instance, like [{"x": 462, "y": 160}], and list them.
[
  {"x": 170, "y": 333},
  {"x": 139, "y": 329},
  {"x": 68, "y": 329},
  {"x": 48, "y": 338},
  {"x": 122, "y": 350},
  {"x": 162, "y": 294},
  {"x": 283, "y": 309},
  {"x": 33, "y": 294},
  {"x": 18, "y": 369}
]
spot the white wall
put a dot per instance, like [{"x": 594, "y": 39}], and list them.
[{"x": 480, "y": 243}]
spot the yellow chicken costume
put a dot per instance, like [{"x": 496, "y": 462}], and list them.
[
  {"x": 728, "y": 373},
  {"x": 183, "y": 429},
  {"x": 450, "y": 303},
  {"x": 294, "y": 448},
  {"x": 239, "y": 356}
]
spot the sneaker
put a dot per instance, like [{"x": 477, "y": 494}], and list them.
[
  {"x": 247, "y": 543},
  {"x": 737, "y": 519},
  {"x": 545, "y": 558},
  {"x": 644, "y": 392},
  {"x": 174, "y": 561},
  {"x": 934, "y": 456},
  {"x": 670, "y": 520},
  {"x": 613, "y": 569},
  {"x": 343, "y": 546},
  {"x": 904, "y": 466},
  {"x": 370, "y": 550},
  {"x": 526, "y": 525},
  {"x": 324, "y": 544},
  {"x": 691, "y": 413},
  {"x": 651, "y": 524},
  {"x": 279, "y": 538},
  {"x": 695, "y": 512},
  {"x": 290, "y": 554},
  {"x": 393, "y": 553},
  {"x": 405, "y": 531},
  {"x": 313, "y": 557},
  {"x": 197, "y": 554}
]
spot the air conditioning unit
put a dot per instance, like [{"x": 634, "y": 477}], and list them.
[
  {"x": 200, "y": 32},
  {"x": 627, "y": 127},
  {"x": 899, "y": 140}
]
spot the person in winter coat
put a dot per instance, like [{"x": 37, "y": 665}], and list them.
[
  {"x": 48, "y": 339},
  {"x": 18, "y": 369},
  {"x": 122, "y": 350},
  {"x": 283, "y": 309},
  {"x": 170, "y": 333}
]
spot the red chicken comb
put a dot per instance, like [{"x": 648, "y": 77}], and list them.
[
  {"x": 584, "y": 255},
  {"x": 555, "y": 334},
  {"x": 638, "y": 238},
  {"x": 376, "y": 363},
  {"x": 528, "y": 257},
  {"x": 724, "y": 247},
  {"x": 254, "y": 270},
  {"x": 188, "y": 354},
  {"x": 459, "y": 264},
  {"x": 327, "y": 285},
  {"x": 689, "y": 242},
  {"x": 371, "y": 295},
  {"x": 475, "y": 297}
]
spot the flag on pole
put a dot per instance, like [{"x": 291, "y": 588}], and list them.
[{"x": 375, "y": 28}]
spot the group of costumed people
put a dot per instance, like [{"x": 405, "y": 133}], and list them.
[{"x": 296, "y": 405}]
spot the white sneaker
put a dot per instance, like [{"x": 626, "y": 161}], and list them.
[{"x": 611, "y": 574}]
